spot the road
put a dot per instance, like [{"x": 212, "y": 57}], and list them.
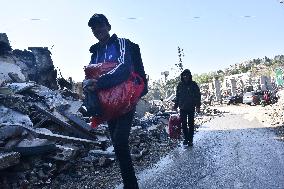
[{"x": 231, "y": 151}]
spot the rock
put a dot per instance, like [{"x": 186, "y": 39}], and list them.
[
  {"x": 104, "y": 162},
  {"x": 41, "y": 174},
  {"x": 9, "y": 159},
  {"x": 8, "y": 131},
  {"x": 65, "y": 153}
]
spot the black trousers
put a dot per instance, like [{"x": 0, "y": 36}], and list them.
[
  {"x": 187, "y": 122},
  {"x": 119, "y": 131}
]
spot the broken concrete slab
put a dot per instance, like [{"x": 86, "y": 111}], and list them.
[
  {"x": 6, "y": 91},
  {"x": 79, "y": 123},
  {"x": 52, "y": 98},
  {"x": 79, "y": 132},
  {"x": 9, "y": 131},
  {"x": 49, "y": 135},
  {"x": 105, "y": 162},
  {"x": 34, "y": 146},
  {"x": 33, "y": 142},
  {"x": 68, "y": 138},
  {"x": 15, "y": 77},
  {"x": 8, "y": 159},
  {"x": 65, "y": 153},
  {"x": 74, "y": 106},
  {"x": 45, "y": 73},
  {"x": 20, "y": 87},
  {"x": 15, "y": 102},
  {"x": 11, "y": 117},
  {"x": 7, "y": 67},
  {"x": 102, "y": 153}
]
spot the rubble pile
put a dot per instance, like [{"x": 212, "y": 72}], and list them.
[
  {"x": 45, "y": 138},
  {"x": 33, "y": 65},
  {"x": 45, "y": 132},
  {"x": 275, "y": 114},
  {"x": 52, "y": 145}
]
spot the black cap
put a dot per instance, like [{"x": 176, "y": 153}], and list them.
[{"x": 98, "y": 19}]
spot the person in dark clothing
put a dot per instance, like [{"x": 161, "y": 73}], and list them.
[
  {"x": 188, "y": 99},
  {"x": 128, "y": 58}
]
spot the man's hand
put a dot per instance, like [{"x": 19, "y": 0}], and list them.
[
  {"x": 197, "y": 109},
  {"x": 90, "y": 84}
]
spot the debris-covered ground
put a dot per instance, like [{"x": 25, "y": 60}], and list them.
[
  {"x": 47, "y": 143},
  {"x": 274, "y": 115},
  {"x": 148, "y": 146},
  {"x": 270, "y": 115},
  {"x": 45, "y": 136},
  {"x": 46, "y": 140}
]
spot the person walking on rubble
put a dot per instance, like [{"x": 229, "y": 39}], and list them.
[
  {"x": 188, "y": 99},
  {"x": 127, "y": 55}
]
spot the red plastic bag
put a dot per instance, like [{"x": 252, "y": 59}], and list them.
[
  {"x": 119, "y": 99},
  {"x": 174, "y": 126},
  {"x": 94, "y": 71}
]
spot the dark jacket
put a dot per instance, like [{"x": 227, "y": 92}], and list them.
[
  {"x": 187, "y": 93},
  {"x": 126, "y": 54}
]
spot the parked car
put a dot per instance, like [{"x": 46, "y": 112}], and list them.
[
  {"x": 233, "y": 99},
  {"x": 250, "y": 98}
]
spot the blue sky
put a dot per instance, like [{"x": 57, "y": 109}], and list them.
[{"x": 213, "y": 34}]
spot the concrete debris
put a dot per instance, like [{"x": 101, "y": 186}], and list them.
[
  {"x": 101, "y": 153},
  {"x": 6, "y": 68},
  {"x": 9, "y": 159},
  {"x": 10, "y": 131},
  {"x": 11, "y": 117},
  {"x": 274, "y": 113},
  {"x": 46, "y": 127},
  {"x": 20, "y": 87},
  {"x": 65, "y": 153}
]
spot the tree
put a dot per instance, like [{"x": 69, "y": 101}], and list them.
[{"x": 179, "y": 65}]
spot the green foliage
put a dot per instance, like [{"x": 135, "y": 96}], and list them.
[
  {"x": 162, "y": 89},
  {"x": 202, "y": 78}
]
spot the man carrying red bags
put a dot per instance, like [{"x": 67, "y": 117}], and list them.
[{"x": 128, "y": 68}]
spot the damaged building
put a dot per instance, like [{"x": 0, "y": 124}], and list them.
[
  {"x": 34, "y": 64},
  {"x": 35, "y": 117}
]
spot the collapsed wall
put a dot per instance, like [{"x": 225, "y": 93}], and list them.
[{"x": 34, "y": 64}]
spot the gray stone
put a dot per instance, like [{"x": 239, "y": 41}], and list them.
[
  {"x": 65, "y": 153},
  {"x": 33, "y": 142},
  {"x": 9, "y": 159},
  {"x": 10, "y": 132},
  {"x": 104, "y": 162}
]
